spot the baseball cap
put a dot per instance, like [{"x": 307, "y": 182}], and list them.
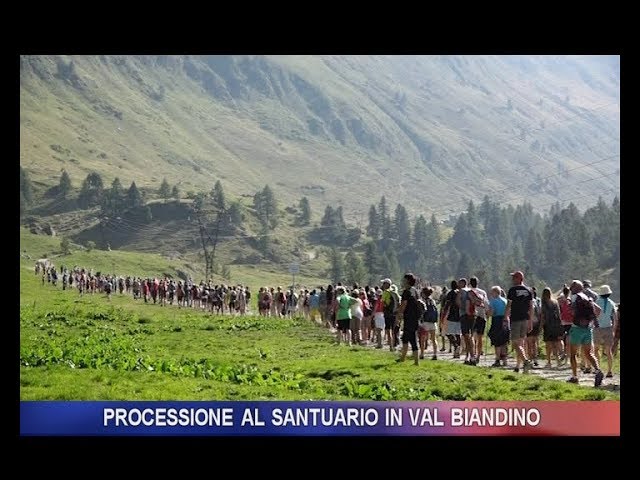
[
  {"x": 386, "y": 280},
  {"x": 517, "y": 273}
]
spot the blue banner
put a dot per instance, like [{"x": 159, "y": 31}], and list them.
[{"x": 318, "y": 418}]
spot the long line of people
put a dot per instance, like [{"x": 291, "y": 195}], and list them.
[{"x": 577, "y": 324}]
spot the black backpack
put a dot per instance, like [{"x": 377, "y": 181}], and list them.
[{"x": 431, "y": 313}]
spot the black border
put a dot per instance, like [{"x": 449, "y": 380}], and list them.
[{"x": 418, "y": 35}]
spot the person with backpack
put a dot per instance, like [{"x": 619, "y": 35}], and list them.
[
  {"x": 467, "y": 318},
  {"x": 480, "y": 301},
  {"x": 428, "y": 327},
  {"x": 408, "y": 313},
  {"x": 585, "y": 314},
  {"x": 388, "y": 301}
]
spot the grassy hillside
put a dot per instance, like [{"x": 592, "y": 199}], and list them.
[
  {"x": 137, "y": 263},
  {"x": 89, "y": 348},
  {"x": 341, "y": 130}
]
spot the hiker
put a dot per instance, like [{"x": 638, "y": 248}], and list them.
[
  {"x": 407, "y": 314},
  {"x": 314, "y": 306},
  {"x": 389, "y": 312},
  {"x": 532, "y": 336},
  {"x": 467, "y": 318},
  {"x": 356, "y": 317},
  {"x": 279, "y": 303},
  {"x": 499, "y": 332},
  {"x": 519, "y": 313},
  {"x": 551, "y": 327},
  {"x": 566, "y": 319},
  {"x": 428, "y": 327},
  {"x": 367, "y": 314},
  {"x": 585, "y": 313},
  {"x": 343, "y": 314},
  {"x": 441, "y": 301},
  {"x": 393, "y": 290},
  {"x": 450, "y": 319},
  {"x": 480, "y": 301},
  {"x": 616, "y": 332},
  {"x": 378, "y": 317},
  {"x": 603, "y": 333}
]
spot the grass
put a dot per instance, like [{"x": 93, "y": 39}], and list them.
[
  {"x": 89, "y": 348},
  {"x": 148, "y": 264}
]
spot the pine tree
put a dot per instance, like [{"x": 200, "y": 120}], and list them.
[
  {"x": 165, "y": 190},
  {"x": 328, "y": 217},
  {"x": 373, "y": 229},
  {"x": 92, "y": 191},
  {"x": 402, "y": 226},
  {"x": 218, "y": 198},
  {"x": 305, "y": 212},
  {"x": 175, "y": 192},
  {"x": 266, "y": 207},
  {"x": 134, "y": 198},
  {"x": 235, "y": 213},
  {"x": 64, "y": 187}
]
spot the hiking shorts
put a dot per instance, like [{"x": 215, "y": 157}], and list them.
[
  {"x": 519, "y": 329},
  {"x": 453, "y": 328},
  {"x": 343, "y": 325},
  {"x": 479, "y": 325},
  {"x": 409, "y": 336},
  {"x": 354, "y": 324},
  {"x": 603, "y": 336},
  {"x": 378, "y": 317},
  {"x": 389, "y": 321},
  {"x": 580, "y": 335},
  {"x": 466, "y": 324}
]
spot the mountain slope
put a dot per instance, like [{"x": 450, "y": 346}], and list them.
[{"x": 430, "y": 132}]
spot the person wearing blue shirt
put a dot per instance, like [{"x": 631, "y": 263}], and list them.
[
  {"x": 314, "y": 305},
  {"x": 499, "y": 331},
  {"x": 603, "y": 331}
]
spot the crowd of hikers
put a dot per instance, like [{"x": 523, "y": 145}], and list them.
[{"x": 577, "y": 324}]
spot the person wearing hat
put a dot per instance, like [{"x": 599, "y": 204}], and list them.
[
  {"x": 519, "y": 314},
  {"x": 603, "y": 333}
]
